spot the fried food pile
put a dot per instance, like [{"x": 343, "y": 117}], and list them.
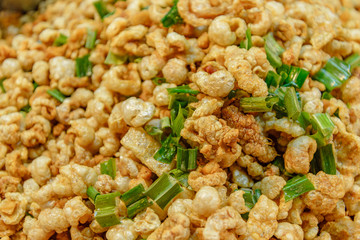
[{"x": 161, "y": 119}]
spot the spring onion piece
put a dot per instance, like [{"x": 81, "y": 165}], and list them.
[
  {"x": 297, "y": 186},
  {"x": 273, "y": 79},
  {"x": 154, "y": 131},
  {"x": 133, "y": 194},
  {"x": 180, "y": 176},
  {"x": 56, "y": 94},
  {"x": 304, "y": 119},
  {"x": 353, "y": 61},
  {"x": 137, "y": 207},
  {"x": 334, "y": 73},
  {"x": 172, "y": 17},
  {"x": 114, "y": 59},
  {"x": 165, "y": 122},
  {"x": 92, "y": 193},
  {"x": 258, "y": 104},
  {"x": 322, "y": 123},
  {"x": 168, "y": 150},
  {"x": 186, "y": 159},
  {"x": 273, "y": 50},
  {"x": 60, "y": 40},
  {"x": 327, "y": 96},
  {"x": 109, "y": 168},
  {"x": 90, "y": 39},
  {"x": 251, "y": 197},
  {"x": 297, "y": 75},
  {"x": 178, "y": 123},
  {"x": 83, "y": 66},
  {"x": 102, "y": 10},
  {"x": 26, "y": 109},
  {"x": 158, "y": 80},
  {"x": 163, "y": 190},
  {"x": 325, "y": 159},
  {"x": 106, "y": 213},
  {"x": 2, "y": 85},
  {"x": 35, "y": 85},
  {"x": 182, "y": 89},
  {"x": 292, "y": 104},
  {"x": 247, "y": 43}
]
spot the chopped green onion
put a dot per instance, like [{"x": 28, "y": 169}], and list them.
[
  {"x": 322, "y": 123},
  {"x": 273, "y": 50},
  {"x": 325, "y": 159},
  {"x": 2, "y": 85},
  {"x": 102, "y": 10},
  {"x": 292, "y": 104},
  {"x": 180, "y": 98},
  {"x": 333, "y": 74},
  {"x": 247, "y": 43},
  {"x": 337, "y": 112},
  {"x": 158, "y": 80},
  {"x": 180, "y": 176},
  {"x": 297, "y": 186},
  {"x": 163, "y": 190},
  {"x": 245, "y": 216},
  {"x": 327, "y": 96},
  {"x": 297, "y": 76},
  {"x": 90, "y": 39},
  {"x": 114, "y": 59},
  {"x": 186, "y": 159},
  {"x": 137, "y": 207},
  {"x": 272, "y": 79},
  {"x": 165, "y": 122},
  {"x": 83, "y": 66},
  {"x": 26, "y": 109},
  {"x": 178, "y": 123},
  {"x": 35, "y": 85},
  {"x": 353, "y": 61},
  {"x": 168, "y": 150},
  {"x": 182, "y": 89},
  {"x": 106, "y": 213},
  {"x": 60, "y": 40},
  {"x": 154, "y": 131},
  {"x": 133, "y": 194},
  {"x": 251, "y": 197},
  {"x": 92, "y": 193},
  {"x": 172, "y": 17},
  {"x": 109, "y": 168},
  {"x": 56, "y": 94},
  {"x": 304, "y": 119},
  {"x": 107, "y": 216},
  {"x": 258, "y": 104}
]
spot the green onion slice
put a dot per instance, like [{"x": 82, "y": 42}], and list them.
[
  {"x": 26, "y": 109},
  {"x": 180, "y": 176},
  {"x": 327, "y": 96},
  {"x": 114, "y": 59},
  {"x": 247, "y": 43},
  {"x": 163, "y": 190},
  {"x": 324, "y": 159},
  {"x": 83, "y": 66},
  {"x": 292, "y": 104},
  {"x": 323, "y": 124},
  {"x": 297, "y": 186},
  {"x": 60, "y": 40},
  {"x": 109, "y": 168},
  {"x": 90, "y": 39},
  {"x": 2, "y": 85},
  {"x": 102, "y": 10},
  {"x": 273, "y": 50},
  {"x": 158, "y": 80},
  {"x": 106, "y": 213},
  {"x": 304, "y": 119},
  {"x": 172, "y": 17},
  {"x": 353, "y": 61},
  {"x": 92, "y": 193},
  {"x": 182, "y": 89},
  {"x": 186, "y": 159},
  {"x": 56, "y": 94},
  {"x": 137, "y": 207},
  {"x": 168, "y": 150},
  {"x": 273, "y": 79},
  {"x": 133, "y": 194},
  {"x": 165, "y": 123},
  {"x": 178, "y": 123},
  {"x": 258, "y": 104}
]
